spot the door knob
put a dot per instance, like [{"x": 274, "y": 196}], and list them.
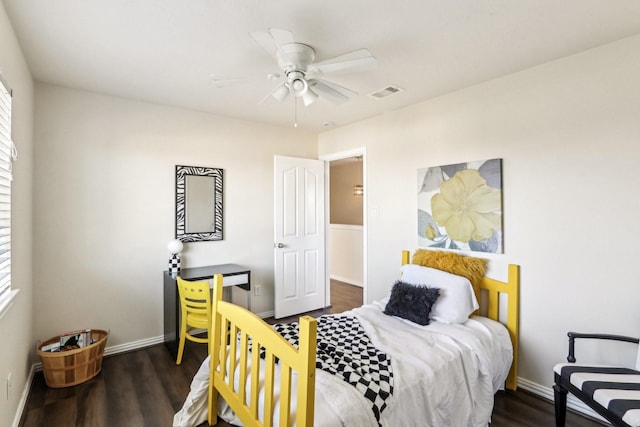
[{"x": 278, "y": 245}]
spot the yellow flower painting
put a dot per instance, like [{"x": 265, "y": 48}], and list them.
[{"x": 460, "y": 206}]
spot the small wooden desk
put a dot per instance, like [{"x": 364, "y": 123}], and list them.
[{"x": 233, "y": 275}]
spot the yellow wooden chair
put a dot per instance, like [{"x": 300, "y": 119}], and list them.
[{"x": 195, "y": 303}]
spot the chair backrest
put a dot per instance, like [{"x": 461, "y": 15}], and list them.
[{"x": 195, "y": 297}]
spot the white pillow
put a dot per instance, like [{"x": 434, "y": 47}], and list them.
[{"x": 456, "y": 301}]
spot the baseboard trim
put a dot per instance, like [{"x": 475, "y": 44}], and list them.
[
  {"x": 23, "y": 399},
  {"x": 346, "y": 280},
  {"x": 266, "y": 314},
  {"x": 135, "y": 345},
  {"x": 546, "y": 393}
]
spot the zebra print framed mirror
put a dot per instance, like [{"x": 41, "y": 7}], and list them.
[{"x": 199, "y": 209}]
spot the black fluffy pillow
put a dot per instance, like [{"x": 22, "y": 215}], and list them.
[{"x": 411, "y": 302}]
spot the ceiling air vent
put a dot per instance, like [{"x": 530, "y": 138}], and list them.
[{"x": 385, "y": 92}]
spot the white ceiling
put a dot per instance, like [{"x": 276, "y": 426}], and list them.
[{"x": 165, "y": 51}]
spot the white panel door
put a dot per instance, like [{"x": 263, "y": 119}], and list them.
[{"x": 299, "y": 245}]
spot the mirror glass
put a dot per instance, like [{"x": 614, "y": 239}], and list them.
[{"x": 198, "y": 203}]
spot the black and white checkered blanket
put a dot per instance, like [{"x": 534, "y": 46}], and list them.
[{"x": 344, "y": 349}]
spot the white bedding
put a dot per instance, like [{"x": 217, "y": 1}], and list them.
[{"x": 444, "y": 375}]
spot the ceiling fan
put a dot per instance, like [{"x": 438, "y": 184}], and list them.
[{"x": 302, "y": 75}]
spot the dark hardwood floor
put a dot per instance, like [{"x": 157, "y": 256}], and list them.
[
  {"x": 145, "y": 388},
  {"x": 343, "y": 297}
]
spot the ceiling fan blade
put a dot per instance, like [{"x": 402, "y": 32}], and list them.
[
  {"x": 226, "y": 81},
  {"x": 277, "y": 95},
  {"x": 358, "y": 60},
  {"x": 266, "y": 41},
  {"x": 222, "y": 81},
  {"x": 273, "y": 40},
  {"x": 281, "y": 37},
  {"x": 331, "y": 91}
]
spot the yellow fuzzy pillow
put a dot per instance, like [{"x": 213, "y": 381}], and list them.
[{"x": 472, "y": 268}]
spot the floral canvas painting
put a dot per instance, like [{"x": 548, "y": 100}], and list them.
[{"x": 460, "y": 206}]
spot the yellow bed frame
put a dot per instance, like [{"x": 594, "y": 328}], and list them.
[
  {"x": 231, "y": 321},
  {"x": 493, "y": 289}
]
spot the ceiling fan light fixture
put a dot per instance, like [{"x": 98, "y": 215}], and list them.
[
  {"x": 280, "y": 93},
  {"x": 309, "y": 97},
  {"x": 297, "y": 83},
  {"x": 299, "y": 86}
]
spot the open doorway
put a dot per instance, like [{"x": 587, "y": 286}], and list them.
[{"x": 346, "y": 233}]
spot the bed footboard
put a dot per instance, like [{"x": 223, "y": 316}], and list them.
[{"x": 241, "y": 334}]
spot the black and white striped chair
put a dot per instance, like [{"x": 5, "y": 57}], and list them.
[{"x": 613, "y": 392}]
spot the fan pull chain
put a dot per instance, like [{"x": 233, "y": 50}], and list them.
[{"x": 295, "y": 112}]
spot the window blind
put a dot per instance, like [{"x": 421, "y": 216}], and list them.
[{"x": 7, "y": 154}]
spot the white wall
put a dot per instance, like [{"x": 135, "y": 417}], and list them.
[
  {"x": 569, "y": 134},
  {"x": 16, "y": 325},
  {"x": 105, "y": 203},
  {"x": 345, "y": 253}
]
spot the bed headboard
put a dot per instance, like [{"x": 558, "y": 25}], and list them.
[{"x": 493, "y": 290}]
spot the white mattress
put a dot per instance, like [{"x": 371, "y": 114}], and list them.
[{"x": 444, "y": 375}]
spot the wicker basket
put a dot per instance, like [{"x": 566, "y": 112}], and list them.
[{"x": 72, "y": 367}]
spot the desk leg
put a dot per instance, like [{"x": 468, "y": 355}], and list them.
[
  {"x": 171, "y": 315},
  {"x": 228, "y": 294}
]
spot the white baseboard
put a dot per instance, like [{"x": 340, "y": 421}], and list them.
[
  {"x": 266, "y": 314},
  {"x": 135, "y": 345},
  {"x": 547, "y": 393},
  {"x": 23, "y": 399},
  {"x": 346, "y": 280}
]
